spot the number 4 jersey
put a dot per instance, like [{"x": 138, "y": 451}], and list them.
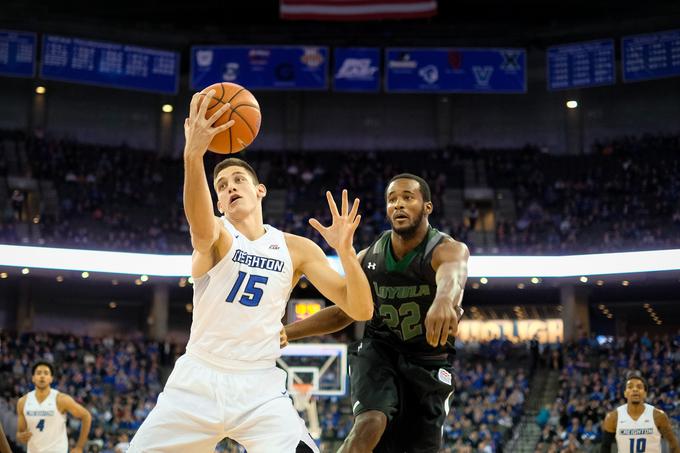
[
  {"x": 239, "y": 303},
  {"x": 46, "y": 424},
  {"x": 637, "y": 436},
  {"x": 402, "y": 293}
]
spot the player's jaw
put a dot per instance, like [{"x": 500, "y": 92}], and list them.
[{"x": 406, "y": 224}]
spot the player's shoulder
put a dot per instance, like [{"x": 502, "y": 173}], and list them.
[
  {"x": 449, "y": 249},
  {"x": 659, "y": 414},
  {"x": 302, "y": 249},
  {"x": 610, "y": 420},
  {"x": 296, "y": 242}
]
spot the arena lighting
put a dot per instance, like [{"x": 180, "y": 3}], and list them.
[
  {"x": 572, "y": 104},
  {"x": 480, "y": 266},
  {"x": 167, "y": 108},
  {"x": 40, "y": 89}
]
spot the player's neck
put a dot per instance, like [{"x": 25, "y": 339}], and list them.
[
  {"x": 401, "y": 245},
  {"x": 252, "y": 226},
  {"x": 40, "y": 395},
  {"x": 635, "y": 409}
]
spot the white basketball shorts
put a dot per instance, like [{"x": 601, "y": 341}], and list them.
[{"x": 200, "y": 405}]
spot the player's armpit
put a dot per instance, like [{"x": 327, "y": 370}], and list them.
[
  {"x": 664, "y": 425},
  {"x": 202, "y": 261}
]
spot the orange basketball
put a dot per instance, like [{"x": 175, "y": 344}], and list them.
[{"x": 244, "y": 110}]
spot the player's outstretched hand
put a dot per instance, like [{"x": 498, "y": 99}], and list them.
[
  {"x": 24, "y": 436},
  {"x": 340, "y": 233},
  {"x": 199, "y": 131},
  {"x": 440, "y": 322},
  {"x": 76, "y": 450}
]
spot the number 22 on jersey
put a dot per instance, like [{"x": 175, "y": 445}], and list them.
[{"x": 252, "y": 294}]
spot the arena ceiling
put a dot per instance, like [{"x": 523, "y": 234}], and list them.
[{"x": 459, "y": 22}]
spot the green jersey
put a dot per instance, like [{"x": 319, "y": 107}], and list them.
[{"x": 403, "y": 292}]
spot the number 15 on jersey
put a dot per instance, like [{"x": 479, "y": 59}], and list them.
[{"x": 252, "y": 293}]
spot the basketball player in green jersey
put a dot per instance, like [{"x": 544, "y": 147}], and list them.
[{"x": 400, "y": 373}]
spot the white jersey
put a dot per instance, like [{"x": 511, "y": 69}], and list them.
[
  {"x": 637, "y": 436},
  {"x": 239, "y": 303},
  {"x": 46, "y": 424}
]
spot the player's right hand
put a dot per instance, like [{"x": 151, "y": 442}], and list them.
[
  {"x": 199, "y": 131},
  {"x": 24, "y": 436}
]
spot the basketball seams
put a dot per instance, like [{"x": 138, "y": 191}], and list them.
[
  {"x": 231, "y": 111},
  {"x": 245, "y": 121},
  {"x": 236, "y": 94}
]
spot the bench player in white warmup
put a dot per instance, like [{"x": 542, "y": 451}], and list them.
[
  {"x": 42, "y": 415},
  {"x": 227, "y": 385},
  {"x": 636, "y": 426}
]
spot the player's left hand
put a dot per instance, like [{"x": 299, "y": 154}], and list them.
[
  {"x": 283, "y": 338},
  {"x": 341, "y": 232},
  {"x": 440, "y": 322}
]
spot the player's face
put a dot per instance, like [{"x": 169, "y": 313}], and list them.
[
  {"x": 635, "y": 392},
  {"x": 42, "y": 378},
  {"x": 406, "y": 209},
  {"x": 237, "y": 193}
]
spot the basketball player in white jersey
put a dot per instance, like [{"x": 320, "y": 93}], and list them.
[
  {"x": 636, "y": 426},
  {"x": 227, "y": 384},
  {"x": 42, "y": 416}
]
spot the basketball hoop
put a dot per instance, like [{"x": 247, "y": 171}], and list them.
[{"x": 302, "y": 395}]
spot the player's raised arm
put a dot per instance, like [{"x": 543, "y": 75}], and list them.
[
  {"x": 663, "y": 424},
  {"x": 351, "y": 293},
  {"x": 449, "y": 261},
  {"x": 23, "y": 434},
  {"x": 66, "y": 403},
  {"x": 198, "y": 132},
  {"x": 609, "y": 432}
]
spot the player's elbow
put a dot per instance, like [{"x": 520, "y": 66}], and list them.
[{"x": 362, "y": 313}]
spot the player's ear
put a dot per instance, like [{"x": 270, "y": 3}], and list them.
[
  {"x": 428, "y": 207},
  {"x": 261, "y": 190},
  {"x": 219, "y": 207}
]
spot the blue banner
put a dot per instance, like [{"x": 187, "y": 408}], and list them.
[
  {"x": 456, "y": 70},
  {"x": 17, "y": 53},
  {"x": 109, "y": 64},
  {"x": 579, "y": 65},
  {"x": 261, "y": 67},
  {"x": 356, "y": 69},
  {"x": 651, "y": 56}
]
